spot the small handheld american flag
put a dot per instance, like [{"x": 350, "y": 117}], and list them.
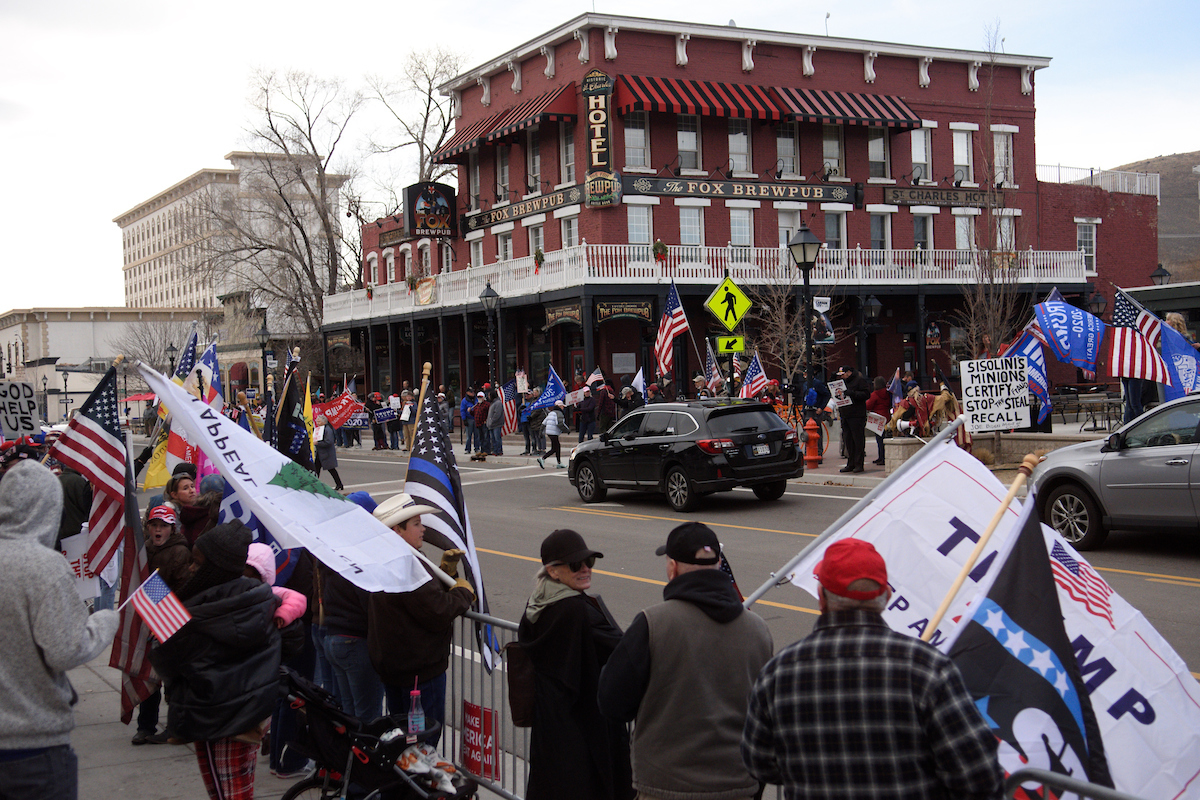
[{"x": 159, "y": 608}]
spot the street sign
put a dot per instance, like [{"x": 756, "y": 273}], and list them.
[
  {"x": 728, "y": 304},
  {"x": 731, "y": 344}
]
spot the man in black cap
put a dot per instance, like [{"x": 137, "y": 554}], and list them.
[
  {"x": 684, "y": 669},
  {"x": 854, "y": 418}
]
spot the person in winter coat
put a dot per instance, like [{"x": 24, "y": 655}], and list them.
[
  {"x": 880, "y": 402},
  {"x": 495, "y": 422},
  {"x": 77, "y": 504},
  {"x": 468, "y": 419},
  {"x": 854, "y": 418},
  {"x": 537, "y": 424},
  {"x": 483, "y": 441},
  {"x": 260, "y": 564},
  {"x": 606, "y": 407},
  {"x": 394, "y": 426},
  {"x": 569, "y": 635},
  {"x": 180, "y": 492},
  {"x": 373, "y": 404},
  {"x": 630, "y": 400},
  {"x": 555, "y": 426},
  {"x": 444, "y": 409},
  {"x": 221, "y": 669},
  {"x": 587, "y": 416},
  {"x": 44, "y": 632},
  {"x": 327, "y": 452}
]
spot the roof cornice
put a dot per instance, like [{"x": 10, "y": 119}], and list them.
[{"x": 566, "y": 32}]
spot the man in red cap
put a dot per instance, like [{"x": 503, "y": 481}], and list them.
[{"x": 856, "y": 709}]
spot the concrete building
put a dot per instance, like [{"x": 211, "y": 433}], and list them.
[{"x": 609, "y": 156}]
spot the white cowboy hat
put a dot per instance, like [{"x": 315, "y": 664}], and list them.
[{"x": 400, "y": 508}]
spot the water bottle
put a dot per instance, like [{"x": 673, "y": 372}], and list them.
[{"x": 416, "y": 714}]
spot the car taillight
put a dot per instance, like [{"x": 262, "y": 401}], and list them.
[
  {"x": 790, "y": 436},
  {"x": 714, "y": 447}
]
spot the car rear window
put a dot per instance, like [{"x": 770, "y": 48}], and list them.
[{"x": 721, "y": 424}]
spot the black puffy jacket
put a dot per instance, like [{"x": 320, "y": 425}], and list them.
[{"x": 221, "y": 670}]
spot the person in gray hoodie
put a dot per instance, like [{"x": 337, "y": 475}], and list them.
[{"x": 45, "y": 630}]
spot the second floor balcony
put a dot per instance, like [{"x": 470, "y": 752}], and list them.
[{"x": 625, "y": 265}]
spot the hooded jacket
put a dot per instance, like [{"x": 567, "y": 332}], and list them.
[{"x": 44, "y": 628}]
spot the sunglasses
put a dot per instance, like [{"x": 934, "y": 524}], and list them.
[{"x": 575, "y": 566}]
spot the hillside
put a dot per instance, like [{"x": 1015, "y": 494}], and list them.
[{"x": 1178, "y": 214}]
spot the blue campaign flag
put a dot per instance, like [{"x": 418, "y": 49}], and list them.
[
  {"x": 1073, "y": 335},
  {"x": 553, "y": 392},
  {"x": 1181, "y": 363},
  {"x": 1031, "y": 348},
  {"x": 232, "y": 508}
]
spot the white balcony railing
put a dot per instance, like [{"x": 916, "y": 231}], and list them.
[
  {"x": 635, "y": 264},
  {"x": 1109, "y": 180}
]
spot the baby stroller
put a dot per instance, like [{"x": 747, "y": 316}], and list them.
[{"x": 360, "y": 760}]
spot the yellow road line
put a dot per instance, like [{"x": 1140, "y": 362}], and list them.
[
  {"x": 1194, "y": 581},
  {"x": 1174, "y": 583},
  {"x": 601, "y": 512}
]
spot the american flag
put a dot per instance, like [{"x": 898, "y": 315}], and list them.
[
  {"x": 596, "y": 375},
  {"x": 433, "y": 479},
  {"x": 756, "y": 379},
  {"x": 130, "y": 650},
  {"x": 509, "y": 391},
  {"x": 92, "y": 446},
  {"x": 1133, "y": 347},
  {"x": 674, "y": 322},
  {"x": 1081, "y": 582},
  {"x": 187, "y": 362},
  {"x": 712, "y": 372},
  {"x": 159, "y": 608}
]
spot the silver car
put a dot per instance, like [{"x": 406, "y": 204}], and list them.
[{"x": 1145, "y": 475}]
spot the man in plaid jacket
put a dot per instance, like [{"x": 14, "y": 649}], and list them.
[{"x": 856, "y": 709}]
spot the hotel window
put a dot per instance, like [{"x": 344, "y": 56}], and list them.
[
  {"x": 408, "y": 268},
  {"x": 1003, "y": 146},
  {"x": 835, "y": 230},
  {"x": 739, "y": 144},
  {"x": 741, "y": 233},
  {"x": 566, "y": 152},
  {"x": 473, "y": 180},
  {"x": 964, "y": 233},
  {"x": 533, "y": 162},
  {"x": 1085, "y": 240},
  {"x": 787, "y": 148},
  {"x": 537, "y": 239},
  {"x": 447, "y": 258},
  {"x": 637, "y": 139},
  {"x": 687, "y": 135},
  {"x": 1005, "y": 233},
  {"x": 502, "y": 173},
  {"x": 504, "y": 247},
  {"x": 881, "y": 231},
  {"x": 963, "y": 159},
  {"x": 923, "y": 231},
  {"x": 691, "y": 230},
  {"x": 831, "y": 148},
  {"x": 922, "y": 158},
  {"x": 639, "y": 224},
  {"x": 477, "y": 253},
  {"x": 391, "y": 268},
  {"x": 789, "y": 223},
  {"x": 570, "y": 231},
  {"x": 425, "y": 261},
  {"x": 877, "y": 153}
]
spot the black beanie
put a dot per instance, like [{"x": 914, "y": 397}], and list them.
[{"x": 226, "y": 546}]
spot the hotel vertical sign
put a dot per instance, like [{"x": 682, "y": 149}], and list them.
[{"x": 603, "y": 186}]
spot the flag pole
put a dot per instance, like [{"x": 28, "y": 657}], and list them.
[
  {"x": 944, "y": 435},
  {"x": 131, "y": 594},
  {"x": 1023, "y": 472}
]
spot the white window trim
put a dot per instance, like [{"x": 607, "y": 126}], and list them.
[
  {"x": 390, "y": 251},
  {"x": 743, "y": 203},
  {"x": 568, "y": 211},
  {"x": 1007, "y": 212},
  {"x": 1006, "y": 129},
  {"x": 474, "y": 236},
  {"x": 746, "y": 175},
  {"x": 789, "y": 205},
  {"x": 923, "y": 211},
  {"x": 929, "y": 123},
  {"x": 964, "y": 126},
  {"x": 640, "y": 171},
  {"x": 640, "y": 200},
  {"x": 1088, "y": 220},
  {"x": 693, "y": 201},
  {"x": 837, "y": 206},
  {"x": 504, "y": 227},
  {"x": 966, "y": 212},
  {"x": 702, "y": 239},
  {"x": 882, "y": 208},
  {"x": 566, "y": 185},
  {"x": 693, "y": 173},
  {"x": 839, "y": 179},
  {"x": 890, "y": 181},
  {"x": 534, "y": 219}
]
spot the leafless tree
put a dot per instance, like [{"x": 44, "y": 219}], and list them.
[
  {"x": 424, "y": 120},
  {"x": 777, "y": 322},
  {"x": 279, "y": 232}
]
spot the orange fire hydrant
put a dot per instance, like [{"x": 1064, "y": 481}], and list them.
[{"x": 812, "y": 454}]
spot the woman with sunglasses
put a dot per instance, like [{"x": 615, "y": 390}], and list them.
[{"x": 574, "y": 751}]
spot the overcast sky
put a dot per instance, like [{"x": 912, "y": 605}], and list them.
[{"x": 104, "y": 104}]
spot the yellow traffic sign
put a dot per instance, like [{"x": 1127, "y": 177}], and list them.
[
  {"x": 728, "y": 303},
  {"x": 731, "y": 344}
]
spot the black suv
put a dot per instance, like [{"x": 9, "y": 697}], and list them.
[{"x": 687, "y": 450}]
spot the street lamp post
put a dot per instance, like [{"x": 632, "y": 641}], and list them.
[
  {"x": 805, "y": 247},
  {"x": 263, "y": 337},
  {"x": 1160, "y": 276},
  {"x": 490, "y": 300},
  {"x": 172, "y": 351}
]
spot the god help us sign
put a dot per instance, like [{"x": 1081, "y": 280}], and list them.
[
  {"x": 18, "y": 409},
  {"x": 995, "y": 393}
]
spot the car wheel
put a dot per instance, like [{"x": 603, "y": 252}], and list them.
[
  {"x": 1072, "y": 512},
  {"x": 770, "y": 491},
  {"x": 680, "y": 493},
  {"x": 591, "y": 489}
]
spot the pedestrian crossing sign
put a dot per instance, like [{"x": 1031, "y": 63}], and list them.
[
  {"x": 731, "y": 344},
  {"x": 728, "y": 303}
]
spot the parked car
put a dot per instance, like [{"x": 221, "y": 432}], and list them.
[
  {"x": 687, "y": 450},
  {"x": 1145, "y": 475}
]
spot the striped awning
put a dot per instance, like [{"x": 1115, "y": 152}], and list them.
[
  {"x": 707, "y": 98},
  {"x": 846, "y": 108},
  {"x": 559, "y": 105},
  {"x": 464, "y": 140}
]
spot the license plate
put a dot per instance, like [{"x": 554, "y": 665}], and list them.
[{"x": 762, "y": 450}]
